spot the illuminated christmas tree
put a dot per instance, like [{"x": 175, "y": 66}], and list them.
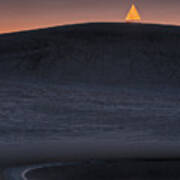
[{"x": 133, "y": 15}]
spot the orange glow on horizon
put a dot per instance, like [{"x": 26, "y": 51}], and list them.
[
  {"x": 19, "y": 27},
  {"x": 20, "y": 15}
]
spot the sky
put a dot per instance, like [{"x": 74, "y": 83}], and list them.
[{"x": 18, "y": 15}]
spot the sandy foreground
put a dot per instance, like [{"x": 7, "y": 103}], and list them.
[
  {"x": 106, "y": 170},
  {"x": 1, "y": 175},
  {"x": 84, "y": 149},
  {"x": 126, "y": 169},
  {"x": 141, "y": 160}
]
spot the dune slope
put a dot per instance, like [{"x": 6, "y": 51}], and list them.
[{"x": 96, "y": 52}]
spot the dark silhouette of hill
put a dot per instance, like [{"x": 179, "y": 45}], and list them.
[{"x": 96, "y": 52}]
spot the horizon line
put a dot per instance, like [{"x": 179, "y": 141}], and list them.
[{"x": 84, "y": 22}]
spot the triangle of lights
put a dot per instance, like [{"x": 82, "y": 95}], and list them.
[{"x": 133, "y": 15}]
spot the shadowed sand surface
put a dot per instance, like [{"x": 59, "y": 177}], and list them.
[
  {"x": 1, "y": 174},
  {"x": 91, "y": 91},
  {"x": 109, "y": 170}
]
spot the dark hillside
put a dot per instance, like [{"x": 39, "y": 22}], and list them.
[{"x": 97, "y": 52}]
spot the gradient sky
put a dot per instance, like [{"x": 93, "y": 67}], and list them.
[{"x": 17, "y": 15}]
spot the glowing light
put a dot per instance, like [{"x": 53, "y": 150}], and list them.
[{"x": 133, "y": 15}]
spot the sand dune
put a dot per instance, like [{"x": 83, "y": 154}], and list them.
[
  {"x": 98, "y": 53},
  {"x": 90, "y": 91}
]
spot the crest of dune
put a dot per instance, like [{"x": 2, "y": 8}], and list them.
[{"x": 133, "y": 15}]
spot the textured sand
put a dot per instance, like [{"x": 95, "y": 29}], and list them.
[{"x": 106, "y": 170}]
